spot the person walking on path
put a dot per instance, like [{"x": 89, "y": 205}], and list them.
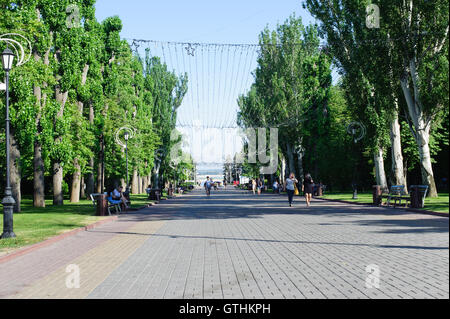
[
  {"x": 208, "y": 186},
  {"x": 308, "y": 188},
  {"x": 259, "y": 185},
  {"x": 254, "y": 186},
  {"x": 290, "y": 187}
]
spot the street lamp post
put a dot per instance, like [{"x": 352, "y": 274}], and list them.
[
  {"x": 357, "y": 130},
  {"x": 354, "y": 185},
  {"x": 8, "y": 201},
  {"x": 126, "y": 137}
]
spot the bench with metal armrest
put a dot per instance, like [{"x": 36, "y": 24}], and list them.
[
  {"x": 416, "y": 197},
  {"x": 154, "y": 194},
  {"x": 114, "y": 203},
  {"x": 397, "y": 194},
  {"x": 111, "y": 203}
]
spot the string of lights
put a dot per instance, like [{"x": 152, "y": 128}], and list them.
[{"x": 217, "y": 75}]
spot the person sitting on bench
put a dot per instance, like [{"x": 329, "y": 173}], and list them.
[{"x": 117, "y": 194}]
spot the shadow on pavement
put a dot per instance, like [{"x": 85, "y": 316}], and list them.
[{"x": 235, "y": 204}]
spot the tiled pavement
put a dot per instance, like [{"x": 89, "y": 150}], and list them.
[{"x": 236, "y": 245}]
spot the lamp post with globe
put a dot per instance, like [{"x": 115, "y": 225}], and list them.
[{"x": 8, "y": 201}]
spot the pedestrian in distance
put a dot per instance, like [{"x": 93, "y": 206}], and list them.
[
  {"x": 275, "y": 187},
  {"x": 259, "y": 185},
  {"x": 290, "y": 187},
  {"x": 254, "y": 186},
  {"x": 208, "y": 185},
  {"x": 308, "y": 188}
]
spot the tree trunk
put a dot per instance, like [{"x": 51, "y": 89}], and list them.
[
  {"x": 58, "y": 198},
  {"x": 379, "y": 169},
  {"x": 135, "y": 182},
  {"x": 38, "y": 176},
  {"x": 75, "y": 193},
  {"x": 143, "y": 184},
  {"x": 76, "y": 180},
  {"x": 38, "y": 161},
  {"x": 90, "y": 178},
  {"x": 396, "y": 152},
  {"x": 156, "y": 176},
  {"x": 420, "y": 127},
  {"x": 139, "y": 179},
  {"x": 423, "y": 138},
  {"x": 283, "y": 170},
  {"x": 82, "y": 189},
  {"x": 58, "y": 175},
  {"x": 99, "y": 178},
  {"x": 15, "y": 172},
  {"x": 290, "y": 157},
  {"x": 101, "y": 168},
  {"x": 301, "y": 173}
]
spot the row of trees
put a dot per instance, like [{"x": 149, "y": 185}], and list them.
[
  {"x": 81, "y": 85},
  {"x": 394, "y": 80}
]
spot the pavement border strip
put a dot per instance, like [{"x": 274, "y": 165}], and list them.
[
  {"x": 54, "y": 239},
  {"x": 95, "y": 265}
]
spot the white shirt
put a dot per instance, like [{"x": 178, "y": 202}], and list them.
[{"x": 290, "y": 184}]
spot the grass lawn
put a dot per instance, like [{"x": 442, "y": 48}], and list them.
[
  {"x": 34, "y": 225},
  {"x": 365, "y": 198},
  {"x": 440, "y": 204}
]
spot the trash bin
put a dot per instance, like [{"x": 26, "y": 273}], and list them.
[
  {"x": 416, "y": 197},
  {"x": 102, "y": 205},
  {"x": 319, "y": 192},
  {"x": 377, "y": 195}
]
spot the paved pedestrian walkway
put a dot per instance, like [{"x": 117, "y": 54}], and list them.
[{"x": 237, "y": 245}]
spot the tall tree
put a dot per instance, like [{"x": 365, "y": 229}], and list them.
[{"x": 408, "y": 50}]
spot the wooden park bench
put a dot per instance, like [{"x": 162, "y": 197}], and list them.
[
  {"x": 154, "y": 194},
  {"x": 397, "y": 194}
]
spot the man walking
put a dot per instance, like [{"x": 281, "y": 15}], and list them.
[{"x": 208, "y": 186}]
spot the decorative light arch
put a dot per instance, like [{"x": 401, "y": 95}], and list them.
[
  {"x": 13, "y": 40},
  {"x": 131, "y": 131},
  {"x": 20, "y": 52}
]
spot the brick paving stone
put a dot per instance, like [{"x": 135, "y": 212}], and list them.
[
  {"x": 249, "y": 247},
  {"x": 239, "y": 246}
]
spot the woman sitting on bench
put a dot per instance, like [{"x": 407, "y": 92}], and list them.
[{"x": 117, "y": 194}]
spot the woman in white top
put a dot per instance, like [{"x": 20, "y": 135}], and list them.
[{"x": 290, "y": 187}]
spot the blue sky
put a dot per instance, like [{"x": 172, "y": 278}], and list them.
[
  {"x": 217, "y": 75},
  {"x": 230, "y": 21}
]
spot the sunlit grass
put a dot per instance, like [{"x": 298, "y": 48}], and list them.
[
  {"x": 34, "y": 225},
  {"x": 440, "y": 204}
]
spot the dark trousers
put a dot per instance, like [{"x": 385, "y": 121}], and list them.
[{"x": 290, "y": 195}]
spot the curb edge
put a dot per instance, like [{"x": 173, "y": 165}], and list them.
[{"x": 27, "y": 249}]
